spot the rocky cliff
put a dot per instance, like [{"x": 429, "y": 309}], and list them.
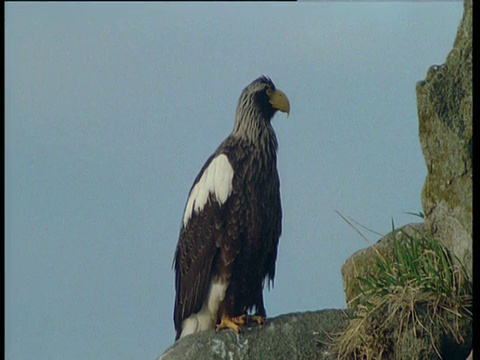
[
  {"x": 445, "y": 127},
  {"x": 444, "y": 101}
]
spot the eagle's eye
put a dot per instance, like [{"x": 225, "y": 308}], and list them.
[{"x": 269, "y": 91}]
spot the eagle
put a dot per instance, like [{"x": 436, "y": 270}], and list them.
[{"x": 232, "y": 222}]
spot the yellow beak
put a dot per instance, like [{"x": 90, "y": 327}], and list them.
[{"x": 279, "y": 101}]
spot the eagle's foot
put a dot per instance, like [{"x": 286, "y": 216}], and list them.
[
  {"x": 231, "y": 323},
  {"x": 259, "y": 319},
  {"x": 240, "y": 320}
]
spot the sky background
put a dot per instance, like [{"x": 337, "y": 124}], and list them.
[{"x": 112, "y": 109}]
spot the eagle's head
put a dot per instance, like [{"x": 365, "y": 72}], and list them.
[{"x": 257, "y": 104}]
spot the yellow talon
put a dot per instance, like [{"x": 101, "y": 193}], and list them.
[
  {"x": 230, "y": 323},
  {"x": 259, "y": 319},
  {"x": 240, "y": 320}
]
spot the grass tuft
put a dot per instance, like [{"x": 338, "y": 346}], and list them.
[{"x": 422, "y": 288}]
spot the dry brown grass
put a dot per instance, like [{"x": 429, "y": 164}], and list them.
[{"x": 410, "y": 307}]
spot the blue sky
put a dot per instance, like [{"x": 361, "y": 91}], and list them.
[{"x": 112, "y": 109}]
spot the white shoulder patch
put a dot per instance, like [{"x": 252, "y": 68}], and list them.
[{"x": 216, "y": 179}]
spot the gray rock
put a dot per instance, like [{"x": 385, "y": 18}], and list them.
[
  {"x": 304, "y": 335},
  {"x": 445, "y": 129}
]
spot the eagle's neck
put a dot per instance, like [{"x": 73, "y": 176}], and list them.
[{"x": 256, "y": 131}]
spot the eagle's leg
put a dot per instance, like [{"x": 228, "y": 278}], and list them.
[{"x": 260, "y": 314}]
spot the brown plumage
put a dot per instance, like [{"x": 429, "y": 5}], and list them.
[{"x": 232, "y": 222}]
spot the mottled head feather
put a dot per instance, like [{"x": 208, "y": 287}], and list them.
[
  {"x": 265, "y": 80},
  {"x": 254, "y": 111}
]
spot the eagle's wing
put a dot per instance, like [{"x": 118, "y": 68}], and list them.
[
  {"x": 201, "y": 234},
  {"x": 274, "y": 228}
]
